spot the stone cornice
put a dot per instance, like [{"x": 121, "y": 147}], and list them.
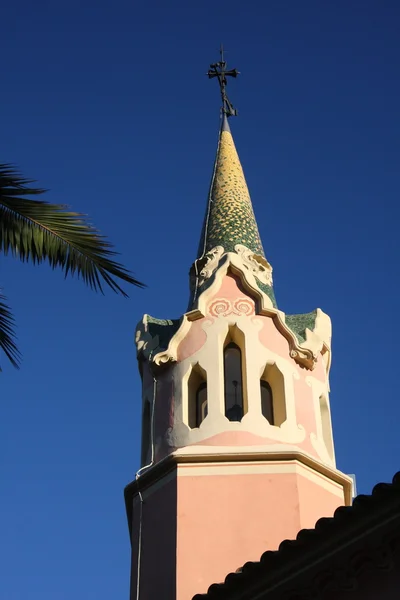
[{"x": 185, "y": 455}]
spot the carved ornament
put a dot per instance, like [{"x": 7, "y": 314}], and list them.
[
  {"x": 257, "y": 264},
  {"x": 222, "y": 307},
  {"x": 208, "y": 264}
]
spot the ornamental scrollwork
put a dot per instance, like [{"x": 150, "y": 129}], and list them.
[
  {"x": 258, "y": 265},
  {"x": 222, "y": 307},
  {"x": 206, "y": 265}
]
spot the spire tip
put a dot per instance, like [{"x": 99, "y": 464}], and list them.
[
  {"x": 219, "y": 70},
  {"x": 225, "y": 123}
]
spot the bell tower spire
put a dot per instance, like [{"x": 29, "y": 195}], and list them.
[
  {"x": 237, "y": 442},
  {"x": 230, "y": 228}
]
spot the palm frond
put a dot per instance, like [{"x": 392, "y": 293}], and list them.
[
  {"x": 7, "y": 334},
  {"x": 37, "y": 231}
]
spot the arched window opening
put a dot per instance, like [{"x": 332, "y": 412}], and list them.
[
  {"x": 197, "y": 397},
  {"x": 146, "y": 433},
  {"x": 233, "y": 382},
  {"x": 201, "y": 403},
  {"x": 273, "y": 397},
  {"x": 267, "y": 405},
  {"x": 326, "y": 425}
]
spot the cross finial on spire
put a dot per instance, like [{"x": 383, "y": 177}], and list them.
[{"x": 219, "y": 70}]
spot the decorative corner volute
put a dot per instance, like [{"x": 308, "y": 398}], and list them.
[
  {"x": 145, "y": 342},
  {"x": 257, "y": 264}
]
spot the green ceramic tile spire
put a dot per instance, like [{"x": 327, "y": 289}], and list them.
[{"x": 229, "y": 218}]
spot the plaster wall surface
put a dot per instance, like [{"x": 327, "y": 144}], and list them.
[
  {"x": 154, "y": 538},
  {"x": 232, "y": 311},
  {"x": 208, "y": 519}
]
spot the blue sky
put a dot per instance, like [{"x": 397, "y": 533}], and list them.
[{"x": 108, "y": 106}]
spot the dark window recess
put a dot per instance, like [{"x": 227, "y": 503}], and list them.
[
  {"x": 201, "y": 403},
  {"x": 267, "y": 406},
  {"x": 233, "y": 382}
]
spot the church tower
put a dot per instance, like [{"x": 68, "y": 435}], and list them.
[{"x": 237, "y": 445}]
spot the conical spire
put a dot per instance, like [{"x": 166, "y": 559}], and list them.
[
  {"x": 230, "y": 231},
  {"x": 229, "y": 218}
]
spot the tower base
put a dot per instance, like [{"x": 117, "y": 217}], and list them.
[{"x": 195, "y": 518}]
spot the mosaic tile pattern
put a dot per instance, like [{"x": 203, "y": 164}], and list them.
[
  {"x": 229, "y": 218},
  {"x": 299, "y": 323},
  {"x": 165, "y": 329},
  {"x": 269, "y": 290}
]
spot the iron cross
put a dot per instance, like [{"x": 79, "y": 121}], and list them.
[{"x": 219, "y": 70}]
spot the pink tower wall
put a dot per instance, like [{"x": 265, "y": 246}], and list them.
[{"x": 210, "y": 519}]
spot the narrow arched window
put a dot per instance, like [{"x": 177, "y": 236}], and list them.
[
  {"x": 233, "y": 382},
  {"x": 326, "y": 425},
  {"x": 197, "y": 407},
  {"x": 267, "y": 406},
  {"x": 201, "y": 403}
]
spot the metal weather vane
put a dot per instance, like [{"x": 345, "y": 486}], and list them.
[{"x": 220, "y": 71}]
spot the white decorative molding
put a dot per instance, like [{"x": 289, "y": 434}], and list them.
[
  {"x": 320, "y": 388},
  {"x": 322, "y": 333},
  {"x": 167, "y": 356},
  {"x": 296, "y": 375},
  {"x": 145, "y": 342},
  {"x": 257, "y": 322},
  {"x": 257, "y": 264},
  {"x": 234, "y": 262},
  {"x": 256, "y": 357},
  {"x": 209, "y": 356},
  {"x": 209, "y": 263},
  {"x": 161, "y": 474},
  {"x": 250, "y": 268},
  {"x": 321, "y": 450}
]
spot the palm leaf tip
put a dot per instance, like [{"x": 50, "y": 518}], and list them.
[
  {"x": 11, "y": 179},
  {"x": 37, "y": 231},
  {"x": 7, "y": 334}
]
